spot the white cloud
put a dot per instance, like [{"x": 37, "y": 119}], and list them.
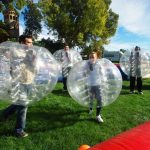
[
  {"x": 134, "y": 22},
  {"x": 133, "y": 15}
]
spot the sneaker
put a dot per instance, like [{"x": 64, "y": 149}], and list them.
[
  {"x": 132, "y": 92},
  {"x": 99, "y": 118},
  {"x": 64, "y": 90},
  {"x": 21, "y": 134},
  {"x": 140, "y": 93},
  {"x": 90, "y": 111}
]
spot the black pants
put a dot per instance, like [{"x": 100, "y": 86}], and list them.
[
  {"x": 65, "y": 72},
  {"x": 139, "y": 83},
  {"x": 65, "y": 83}
]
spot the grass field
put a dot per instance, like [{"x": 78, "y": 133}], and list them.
[{"x": 58, "y": 123}]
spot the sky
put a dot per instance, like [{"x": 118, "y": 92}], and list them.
[{"x": 133, "y": 25}]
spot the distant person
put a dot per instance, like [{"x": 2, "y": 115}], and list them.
[
  {"x": 66, "y": 65},
  {"x": 67, "y": 58},
  {"x": 135, "y": 70},
  {"x": 27, "y": 73}
]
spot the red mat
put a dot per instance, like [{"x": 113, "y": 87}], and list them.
[{"x": 137, "y": 138}]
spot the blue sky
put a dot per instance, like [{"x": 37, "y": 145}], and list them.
[{"x": 133, "y": 27}]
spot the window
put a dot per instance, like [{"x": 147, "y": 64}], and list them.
[
  {"x": 10, "y": 17},
  {"x": 14, "y": 18}
]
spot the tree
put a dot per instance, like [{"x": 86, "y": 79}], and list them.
[
  {"x": 3, "y": 32},
  {"x": 33, "y": 18},
  {"x": 1, "y": 6},
  {"x": 5, "y": 2},
  {"x": 79, "y": 21},
  {"x": 51, "y": 45},
  {"x": 20, "y": 4},
  {"x": 17, "y": 4}
]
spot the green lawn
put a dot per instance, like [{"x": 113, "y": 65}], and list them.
[{"x": 59, "y": 123}]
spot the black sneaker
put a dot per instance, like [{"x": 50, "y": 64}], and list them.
[{"x": 21, "y": 134}]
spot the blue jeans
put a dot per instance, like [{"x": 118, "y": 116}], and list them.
[
  {"x": 20, "y": 109},
  {"x": 21, "y": 115},
  {"x": 95, "y": 92}
]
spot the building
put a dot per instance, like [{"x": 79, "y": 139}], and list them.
[{"x": 11, "y": 20}]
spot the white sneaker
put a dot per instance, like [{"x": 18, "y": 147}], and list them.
[
  {"x": 140, "y": 93},
  {"x": 90, "y": 111},
  {"x": 132, "y": 92},
  {"x": 99, "y": 118}
]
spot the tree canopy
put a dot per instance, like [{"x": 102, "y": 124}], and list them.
[
  {"x": 17, "y": 4},
  {"x": 32, "y": 18},
  {"x": 51, "y": 45},
  {"x": 3, "y": 32},
  {"x": 79, "y": 21}
]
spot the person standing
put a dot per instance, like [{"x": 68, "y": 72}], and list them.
[
  {"x": 25, "y": 86},
  {"x": 66, "y": 65},
  {"x": 93, "y": 78},
  {"x": 135, "y": 71}
]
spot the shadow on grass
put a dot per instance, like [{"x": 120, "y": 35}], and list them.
[
  {"x": 45, "y": 120},
  {"x": 125, "y": 87},
  {"x": 61, "y": 93},
  {"x": 145, "y": 87},
  {"x": 53, "y": 119},
  {"x": 7, "y": 127},
  {"x": 125, "y": 93}
]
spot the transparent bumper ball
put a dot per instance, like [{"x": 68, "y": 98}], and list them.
[
  {"x": 27, "y": 74},
  {"x": 135, "y": 64},
  {"x": 67, "y": 60},
  {"x": 105, "y": 76}
]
